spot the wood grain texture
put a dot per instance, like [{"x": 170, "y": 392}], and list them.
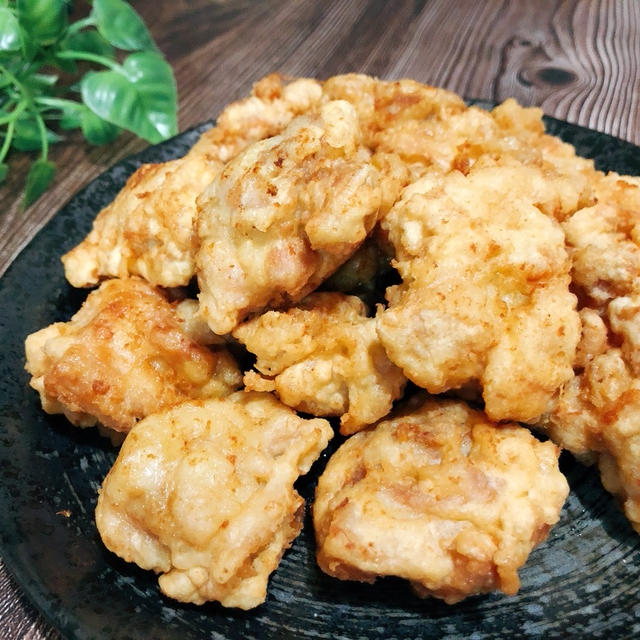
[{"x": 577, "y": 59}]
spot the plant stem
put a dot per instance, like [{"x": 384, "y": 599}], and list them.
[
  {"x": 89, "y": 57},
  {"x": 13, "y": 115},
  {"x": 89, "y": 21},
  {"x": 7, "y": 140},
  {"x": 57, "y": 103},
  {"x": 28, "y": 103},
  {"x": 12, "y": 79},
  {"x": 43, "y": 134}
]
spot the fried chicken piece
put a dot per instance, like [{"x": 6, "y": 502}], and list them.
[
  {"x": 438, "y": 495},
  {"x": 509, "y": 135},
  {"x": 148, "y": 230},
  {"x": 597, "y": 419},
  {"x": 392, "y": 113},
  {"x": 521, "y": 135},
  {"x": 617, "y": 190},
  {"x": 431, "y": 129},
  {"x": 123, "y": 355},
  {"x": 203, "y": 494},
  {"x": 604, "y": 242},
  {"x": 485, "y": 294},
  {"x": 323, "y": 357},
  {"x": 383, "y": 105},
  {"x": 597, "y": 413},
  {"x": 284, "y": 214}
]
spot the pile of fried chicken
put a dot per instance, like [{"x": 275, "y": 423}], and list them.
[{"x": 512, "y": 298}]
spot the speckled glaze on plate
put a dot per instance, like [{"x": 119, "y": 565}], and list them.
[{"x": 583, "y": 581}]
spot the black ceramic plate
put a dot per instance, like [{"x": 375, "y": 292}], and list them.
[{"x": 582, "y": 581}]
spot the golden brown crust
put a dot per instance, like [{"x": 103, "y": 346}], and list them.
[
  {"x": 385, "y": 105},
  {"x": 440, "y": 496},
  {"x": 323, "y": 357},
  {"x": 485, "y": 293},
  {"x": 285, "y": 214},
  {"x": 123, "y": 355},
  {"x": 203, "y": 494},
  {"x": 597, "y": 412},
  {"x": 148, "y": 230}
]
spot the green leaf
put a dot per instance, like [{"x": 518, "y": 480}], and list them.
[
  {"x": 140, "y": 96},
  {"x": 4, "y": 170},
  {"x": 96, "y": 130},
  {"x": 120, "y": 25},
  {"x": 26, "y": 135},
  {"x": 90, "y": 41},
  {"x": 39, "y": 178},
  {"x": 28, "y": 44},
  {"x": 43, "y": 20},
  {"x": 9, "y": 31}
]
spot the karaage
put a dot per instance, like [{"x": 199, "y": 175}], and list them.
[
  {"x": 383, "y": 105},
  {"x": 285, "y": 214},
  {"x": 203, "y": 494},
  {"x": 604, "y": 242},
  {"x": 148, "y": 230},
  {"x": 485, "y": 293},
  {"x": 596, "y": 418},
  {"x": 125, "y": 354},
  {"x": 438, "y": 495},
  {"x": 431, "y": 130},
  {"x": 597, "y": 412},
  {"x": 323, "y": 357}
]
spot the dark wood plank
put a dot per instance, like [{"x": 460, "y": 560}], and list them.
[{"x": 577, "y": 59}]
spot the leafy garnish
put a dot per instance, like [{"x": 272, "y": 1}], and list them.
[
  {"x": 105, "y": 91},
  {"x": 134, "y": 95}
]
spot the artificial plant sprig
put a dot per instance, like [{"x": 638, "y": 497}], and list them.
[{"x": 135, "y": 91}]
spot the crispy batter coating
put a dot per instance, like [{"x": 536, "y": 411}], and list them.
[
  {"x": 597, "y": 419},
  {"x": 438, "y": 495},
  {"x": 148, "y": 229},
  {"x": 323, "y": 357},
  {"x": 509, "y": 135},
  {"x": 203, "y": 494},
  {"x": 385, "y": 105},
  {"x": 604, "y": 242},
  {"x": 485, "y": 294},
  {"x": 617, "y": 190},
  {"x": 597, "y": 414},
  {"x": 123, "y": 355},
  {"x": 284, "y": 214},
  {"x": 432, "y": 130}
]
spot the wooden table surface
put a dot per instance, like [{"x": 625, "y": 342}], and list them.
[{"x": 578, "y": 59}]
